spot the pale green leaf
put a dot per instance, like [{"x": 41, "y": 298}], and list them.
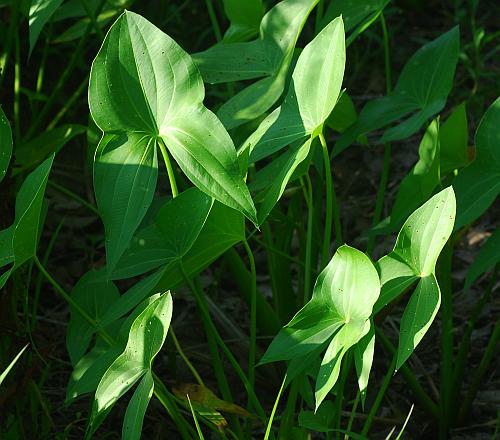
[
  {"x": 363, "y": 359},
  {"x": 146, "y": 337},
  {"x": 418, "y": 316},
  {"x": 343, "y": 297},
  {"x": 134, "y": 415},
  {"x": 9, "y": 367},
  {"x": 311, "y": 97},
  {"x": 143, "y": 85}
]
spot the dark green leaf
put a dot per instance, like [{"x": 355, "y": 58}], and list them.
[{"x": 5, "y": 144}]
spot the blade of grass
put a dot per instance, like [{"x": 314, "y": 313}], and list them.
[
  {"x": 9, "y": 367},
  {"x": 198, "y": 429},
  {"x": 273, "y": 412}
]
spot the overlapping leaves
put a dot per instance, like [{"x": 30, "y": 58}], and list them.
[
  {"x": 267, "y": 57},
  {"x": 413, "y": 259},
  {"x": 341, "y": 306},
  {"x": 145, "y": 91},
  {"x": 420, "y": 93}
]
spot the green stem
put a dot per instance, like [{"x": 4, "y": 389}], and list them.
[
  {"x": 273, "y": 412},
  {"x": 329, "y": 204},
  {"x": 68, "y": 104},
  {"x": 11, "y": 36},
  {"x": 168, "y": 166},
  {"x": 463, "y": 351},
  {"x": 380, "y": 395},
  {"x": 159, "y": 389},
  {"x": 427, "y": 403},
  {"x": 379, "y": 203},
  {"x": 203, "y": 307},
  {"x": 444, "y": 276},
  {"x": 213, "y": 20},
  {"x": 353, "y": 414},
  {"x": 480, "y": 373},
  {"x": 74, "y": 196},
  {"x": 66, "y": 75},
  {"x": 253, "y": 316},
  {"x": 185, "y": 358},
  {"x": 310, "y": 211},
  {"x": 339, "y": 400}
]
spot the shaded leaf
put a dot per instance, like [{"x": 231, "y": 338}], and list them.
[
  {"x": 453, "y": 139},
  {"x": 269, "y": 57},
  {"x": 488, "y": 256},
  {"x": 40, "y": 13},
  {"x": 5, "y": 144},
  {"x": 134, "y": 415},
  {"x": 244, "y": 17},
  {"x": 478, "y": 185},
  {"x": 420, "y": 93}
]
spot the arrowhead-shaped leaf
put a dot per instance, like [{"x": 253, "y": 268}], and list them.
[
  {"x": 311, "y": 97},
  {"x": 143, "y": 87}
]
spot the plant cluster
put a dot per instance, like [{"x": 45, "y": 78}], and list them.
[{"x": 255, "y": 177}]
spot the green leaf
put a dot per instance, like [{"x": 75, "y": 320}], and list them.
[
  {"x": 285, "y": 167},
  {"x": 488, "y": 256},
  {"x": 9, "y": 367},
  {"x": 311, "y": 97},
  {"x": 269, "y": 57},
  {"x": 146, "y": 337},
  {"x": 453, "y": 139},
  {"x": 341, "y": 305},
  {"x": 425, "y": 233},
  {"x": 134, "y": 416},
  {"x": 418, "y": 316},
  {"x": 478, "y": 185},
  {"x": 363, "y": 359},
  {"x": 353, "y": 13},
  {"x": 125, "y": 173},
  {"x": 169, "y": 238},
  {"x": 320, "y": 421},
  {"x": 5, "y": 144},
  {"x": 20, "y": 240},
  {"x": 223, "y": 229},
  {"x": 95, "y": 295},
  {"x": 417, "y": 248},
  {"x": 143, "y": 86},
  {"x": 343, "y": 114},
  {"x": 351, "y": 333},
  {"x": 31, "y": 153},
  {"x": 39, "y": 15},
  {"x": 245, "y": 19},
  {"x": 420, "y": 183},
  {"x": 420, "y": 93}
]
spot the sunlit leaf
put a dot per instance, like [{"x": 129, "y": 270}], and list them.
[
  {"x": 144, "y": 87},
  {"x": 134, "y": 415},
  {"x": 311, "y": 97},
  {"x": 267, "y": 57},
  {"x": 146, "y": 337}
]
